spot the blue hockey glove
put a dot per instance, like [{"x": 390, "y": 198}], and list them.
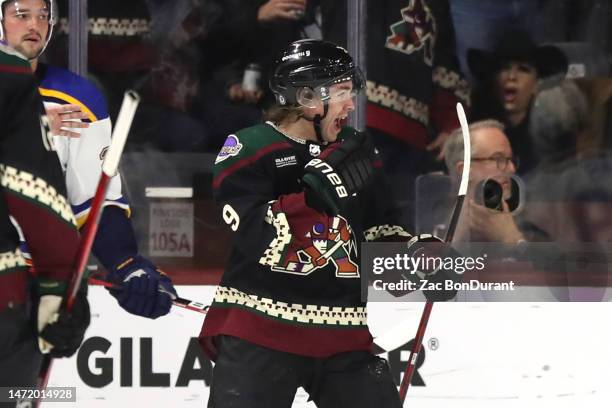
[{"x": 145, "y": 290}]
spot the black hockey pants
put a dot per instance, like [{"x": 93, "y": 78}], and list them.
[
  {"x": 20, "y": 358},
  {"x": 249, "y": 376}
]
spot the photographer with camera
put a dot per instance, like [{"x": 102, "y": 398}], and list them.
[{"x": 493, "y": 190}]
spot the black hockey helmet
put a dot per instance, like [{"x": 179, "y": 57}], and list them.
[{"x": 307, "y": 66}]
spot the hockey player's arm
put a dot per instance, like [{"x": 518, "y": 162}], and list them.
[
  {"x": 34, "y": 187},
  {"x": 82, "y": 157},
  {"x": 383, "y": 224},
  {"x": 144, "y": 290},
  {"x": 245, "y": 192},
  {"x": 341, "y": 171},
  {"x": 244, "y": 198},
  {"x": 34, "y": 194},
  {"x": 384, "y": 215}
]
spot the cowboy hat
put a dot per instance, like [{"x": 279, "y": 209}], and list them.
[{"x": 517, "y": 45}]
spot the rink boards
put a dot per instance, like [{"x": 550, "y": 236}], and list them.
[{"x": 475, "y": 355}]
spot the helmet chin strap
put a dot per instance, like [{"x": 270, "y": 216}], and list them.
[{"x": 316, "y": 121}]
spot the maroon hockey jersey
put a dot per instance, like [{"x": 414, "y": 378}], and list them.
[
  {"x": 33, "y": 190},
  {"x": 292, "y": 282}
]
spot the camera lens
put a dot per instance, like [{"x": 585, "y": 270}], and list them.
[
  {"x": 492, "y": 194},
  {"x": 489, "y": 193}
]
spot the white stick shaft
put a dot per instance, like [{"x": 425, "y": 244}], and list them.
[
  {"x": 465, "y": 176},
  {"x": 120, "y": 133}
]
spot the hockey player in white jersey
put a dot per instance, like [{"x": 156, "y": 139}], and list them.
[{"x": 81, "y": 133}]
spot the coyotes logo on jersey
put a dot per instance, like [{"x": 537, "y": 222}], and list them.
[
  {"x": 331, "y": 244},
  {"x": 416, "y": 31}
]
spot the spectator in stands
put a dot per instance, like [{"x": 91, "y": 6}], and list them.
[
  {"x": 122, "y": 54},
  {"x": 585, "y": 24},
  {"x": 479, "y": 22},
  {"x": 508, "y": 80},
  {"x": 492, "y": 158},
  {"x": 243, "y": 41},
  {"x": 558, "y": 115},
  {"x": 570, "y": 127},
  {"x": 573, "y": 116}
]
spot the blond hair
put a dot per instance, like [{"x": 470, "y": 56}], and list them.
[{"x": 278, "y": 114}]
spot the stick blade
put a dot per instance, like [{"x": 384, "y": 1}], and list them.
[{"x": 467, "y": 149}]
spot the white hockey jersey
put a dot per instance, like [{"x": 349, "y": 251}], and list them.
[{"x": 81, "y": 158}]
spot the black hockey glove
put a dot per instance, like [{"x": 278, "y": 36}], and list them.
[
  {"x": 65, "y": 335},
  {"x": 435, "y": 256},
  {"x": 343, "y": 169}
]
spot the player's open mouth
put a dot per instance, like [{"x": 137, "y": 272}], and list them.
[{"x": 339, "y": 122}]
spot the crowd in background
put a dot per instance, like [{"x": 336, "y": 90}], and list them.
[{"x": 540, "y": 69}]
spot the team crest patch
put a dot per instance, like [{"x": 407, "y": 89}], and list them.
[
  {"x": 329, "y": 243},
  {"x": 231, "y": 147}
]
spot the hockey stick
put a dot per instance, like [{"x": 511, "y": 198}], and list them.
[
  {"x": 109, "y": 170},
  {"x": 178, "y": 301},
  {"x": 465, "y": 175},
  {"x": 308, "y": 267}
]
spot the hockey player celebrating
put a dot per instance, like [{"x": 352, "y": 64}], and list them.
[
  {"x": 301, "y": 192},
  {"x": 33, "y": 193},
  {"x": 76, "y": 107}
]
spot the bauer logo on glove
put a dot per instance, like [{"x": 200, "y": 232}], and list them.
[
  {"x": 342, "y": 170},
  {"x": 331, "y": 175}
]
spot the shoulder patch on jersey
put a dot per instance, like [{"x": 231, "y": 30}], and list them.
[
  {"x": 245, "y": 148},
  {"x": 247, "y": 143},
  {"x": 231, "y": 147}
]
